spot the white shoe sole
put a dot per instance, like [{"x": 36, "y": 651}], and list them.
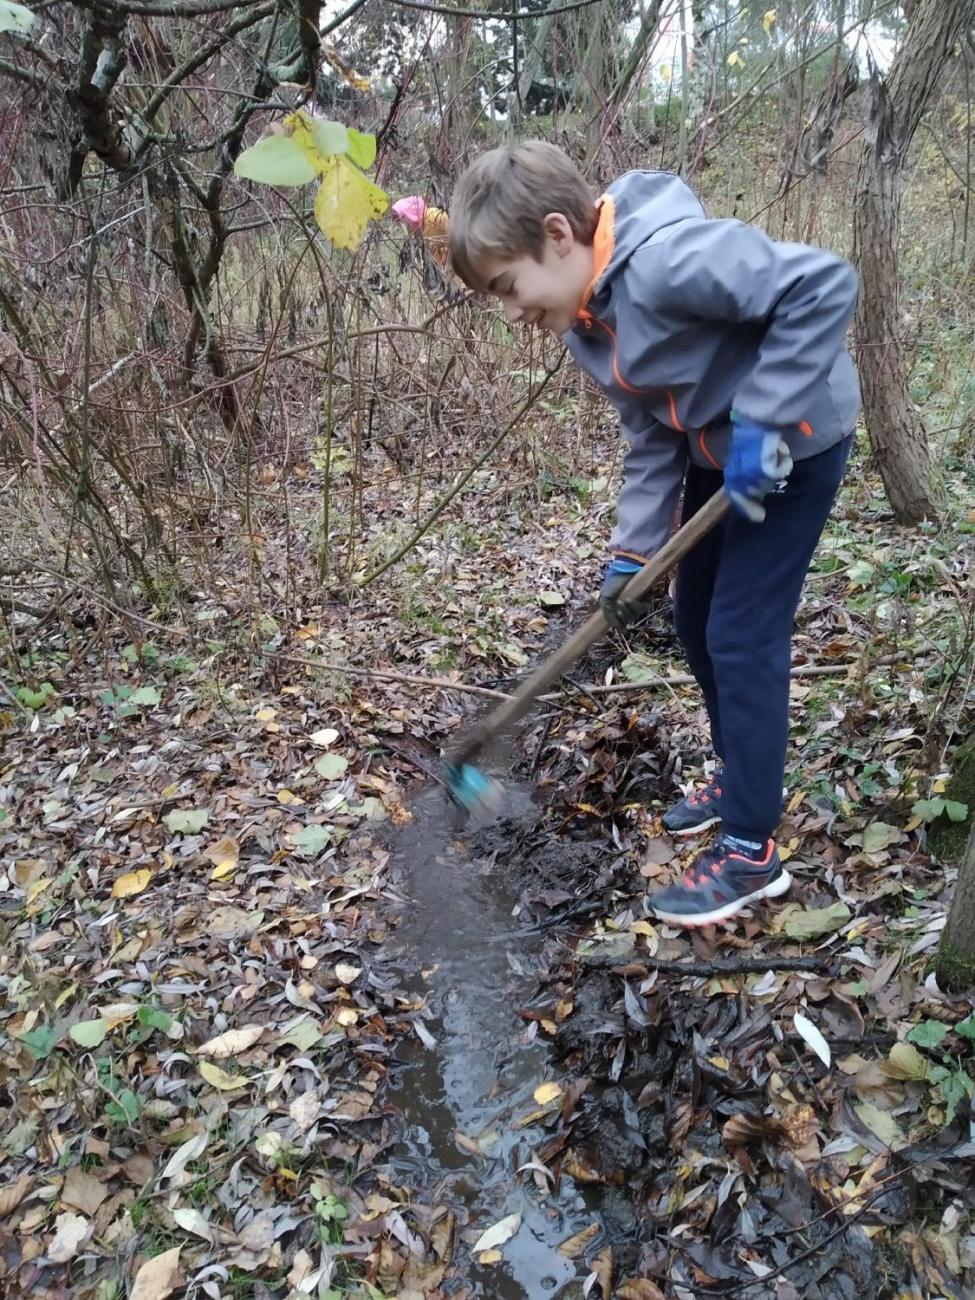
[
  {"x": 780, "y": 885},
  {"x": 695, "y": 830}
]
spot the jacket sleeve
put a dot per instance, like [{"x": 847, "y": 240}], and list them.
[
  {"x": 805, "y": 297},
  {"x": 653, "y": 475}
]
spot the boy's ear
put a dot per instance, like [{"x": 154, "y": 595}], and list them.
[{"x": 559, "y": 232}]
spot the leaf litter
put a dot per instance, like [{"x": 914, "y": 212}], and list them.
[{"x": 199, "y": 1021}]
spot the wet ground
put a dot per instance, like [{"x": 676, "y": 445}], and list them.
[{"x": 470, "y": 951}]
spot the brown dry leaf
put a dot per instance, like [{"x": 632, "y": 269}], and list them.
[
  {"x": 231, "y": 1043},
  {"x": 71, "y": 1231},
  {"x": 224, "y": 855},
  {"x": 580, "y": 1171},
  {"x": 12, "y": 1195},
  {"x": 639, "y": 1288},
  {"x": 800, "y": 1126},
  {"x": 156, "y": 1279},
  {"x": 603, "y": 1268},
  {"x": 82, "y": 1191},
  {"x": 573, "y": 1246},
  {"x": 743, "y": 1128}
]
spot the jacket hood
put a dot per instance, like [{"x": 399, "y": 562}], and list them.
[{"x": 633, "y": 209}]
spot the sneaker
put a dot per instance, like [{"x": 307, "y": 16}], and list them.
[
  {"x": 719, "y": 884},
  {"x": 697, "y": 811}
]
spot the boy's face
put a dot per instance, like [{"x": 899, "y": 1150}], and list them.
[{"x": 547, "y": 292}]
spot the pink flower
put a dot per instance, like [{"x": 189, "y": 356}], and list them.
[{"x": 411, "y": 210}]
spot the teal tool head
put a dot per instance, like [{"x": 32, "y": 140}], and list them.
[{"x": 480, "y": 795}]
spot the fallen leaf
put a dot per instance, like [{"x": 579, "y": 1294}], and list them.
[
  {"x": 639, "y": 1288},
  {"x": 327, "y": 736},
  {"x": 231, "y": 1042},
  {"x": 331, "y": 766},
  {"x": 904, "y": 1061},
  {"x": 347, "y": 1016},
  {"x": 156, "y": 1279},
  {"x": 189, "y": 1150},
  {"x": 71, "y": 1231},
  {"x": 546, "y": 1092},
  {"x": 487, "y": 1257},
  {"x": 191, "y": 1220},
  {"x": 573, "y": 1246},
  {"x": 186, "y": 821},
  {"x": 89, "y": 1033},
  {"x": 346, "y": 973},
  {"x": 808, "y": 1031},
  {"x": 82, "y": 1191},
  {"x": 220, "y": 1079},
  {"x": 880, "y": 1123},
  {"x": 498, "y": 1233},
  {"x": 133, "y": 882},
  {"x": 224, "y": 855},
  {"x": 304, "y": 1109},
  {"x": 12, "y": 1195},
  {"x": 811, "y": 922}
]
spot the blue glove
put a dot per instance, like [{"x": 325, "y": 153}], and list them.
[
  {"x": 759, "y": 458},
  {"x": 620, "y": 613}
]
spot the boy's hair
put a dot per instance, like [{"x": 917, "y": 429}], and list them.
[{"x": 502, "y": 199}]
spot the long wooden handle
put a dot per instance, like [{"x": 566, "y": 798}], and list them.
[{"x": 594, "y": 627}]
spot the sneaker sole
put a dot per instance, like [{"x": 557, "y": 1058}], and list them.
[
  {"x": 694, "y": 830},
  {"x": 780, "y": 885}
]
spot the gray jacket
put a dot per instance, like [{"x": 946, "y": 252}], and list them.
[{"x": 690, "y": 316}]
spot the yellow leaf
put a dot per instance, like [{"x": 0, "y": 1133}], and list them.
[
  {"x": 768, "y": 20},
  {"x": 642, "y": 927},
  {"x": 546, "y": 1092},
  {"x": 490, "y": 1257},
  {"x": 231, "y": 1042},
  {"x": 133, "y": 882},
  {"x": 666, "y": 71},
  {"x": 266, "y": 715},
  {"x": 733, "y": 59},
  {"x": 220, "y": 1079},
  {"x": 346, "y": 202},
  {"x": 795, "y": 801},
  {"x": 347, "y": 1016},
  {"x": 288, "y": 797},
  {"x": 224, "y": 855}
]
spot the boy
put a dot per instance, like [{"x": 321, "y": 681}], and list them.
[{"x": 723, "y": 351}]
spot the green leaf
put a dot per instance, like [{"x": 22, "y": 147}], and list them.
[
  {"x": 928, "y": 809},
  {"x": 40, "y": 1041},
  {"x": 275, "y": 160},
  {"x": 331, "y": 766},
  {"x": 147, "y": 696},
  {"x": 15, "y": 18},
  {"x": 124, "y": 1109},
  {"x": 35, "y": 699},
  {"x": 957, "y": 812},
  {"x": 89, "y": 1033},
  {"x": 303, "y": 1035},
  {"x": 861, "y": 573},
  {"x": 312, "y": 840},
  {"x": 361, "y": 148},
  {"x": 811, "y": 922},
  {"x": 966, "y": 1027},
  {"x": 154, "y": 1018},
  {"x": 332, "y": 137},
  {"x": 187, "y": 821},
  {"x": 928, "y": 1033}
]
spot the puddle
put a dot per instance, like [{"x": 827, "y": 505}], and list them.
[{"x": 460, "y": 947}]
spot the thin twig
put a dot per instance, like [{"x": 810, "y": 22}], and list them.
[{"x": 720, "y": 966}]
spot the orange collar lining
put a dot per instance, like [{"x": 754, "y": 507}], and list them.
[{"x": 603, "y": 244}]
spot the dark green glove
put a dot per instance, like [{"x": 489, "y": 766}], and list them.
[{"x": 620, "y": 613}]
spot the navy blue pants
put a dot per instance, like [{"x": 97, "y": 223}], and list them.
[{"x": 735, "y": 605}]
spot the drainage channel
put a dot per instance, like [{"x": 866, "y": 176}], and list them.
[{"x": 461, "y": 949}]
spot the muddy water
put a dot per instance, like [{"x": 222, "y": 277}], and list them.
[{"x": 462, "y": 947}]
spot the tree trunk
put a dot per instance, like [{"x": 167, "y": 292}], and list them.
[
  {"x": 955, "y": 966},
  {"x": 896, "y": 431}
]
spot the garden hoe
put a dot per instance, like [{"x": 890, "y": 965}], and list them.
[{"x": 480, "y": 794}]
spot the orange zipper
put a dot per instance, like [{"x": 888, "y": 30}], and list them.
[{"x": 637, "y": 392}]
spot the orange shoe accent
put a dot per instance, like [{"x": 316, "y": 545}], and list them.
[{"x": 755, "y": 862}]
